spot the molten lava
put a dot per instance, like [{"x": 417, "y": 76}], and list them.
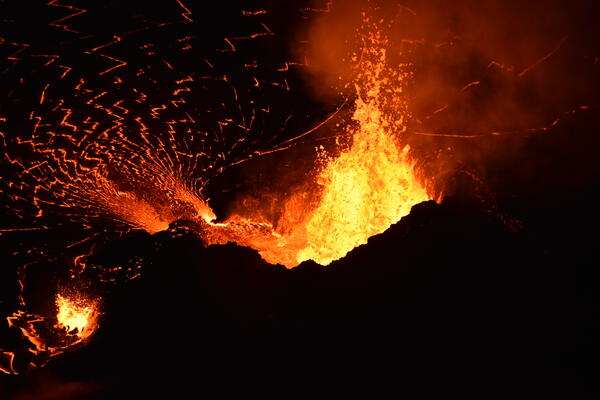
[
  {"x": 48, "y": 336},
  {"x": 76, "y": 315},
  {"x": 363, "y": 191},
  {"x": 369, "y": 186},
  {"x": 135, "y": 158}
]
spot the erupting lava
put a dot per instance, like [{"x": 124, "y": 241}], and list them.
[
  {"x": 138, "y": 157},
  {"x": 118, "y": 131},
  {"x": 75, "y": 321},
  {"x": 76, "y": 315},
  {"x": 372, "y": 184},
  {"x": 365, "y": 189}
]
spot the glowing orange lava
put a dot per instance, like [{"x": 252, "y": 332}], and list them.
[
  {"x": 368, "y": 187},
  {"x": 363, "y": 191},
  {"x": 76, "y": 315},
  {"x": 140, "y": 160}
]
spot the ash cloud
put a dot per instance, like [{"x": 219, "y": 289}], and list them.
[{"x": 487, "y": 74}]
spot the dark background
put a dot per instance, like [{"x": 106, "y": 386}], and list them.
[{"x": 491, "y": 291}]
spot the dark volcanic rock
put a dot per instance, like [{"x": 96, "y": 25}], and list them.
[{"x": 448, "y": 294}]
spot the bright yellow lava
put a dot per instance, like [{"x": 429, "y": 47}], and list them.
[
  {"x": 372, "y": 184},
  {"x": 363, "y": 191},
  {"x": 75, "y": 315}
]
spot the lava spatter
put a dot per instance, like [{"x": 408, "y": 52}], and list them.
[
  {"x": 369, "y": 186},
  {"x": 76, "y": 315}
]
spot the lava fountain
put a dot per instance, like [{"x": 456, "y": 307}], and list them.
[
  {"x": 76, "y": 315},
  {"x": 365, "y": 189}
]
